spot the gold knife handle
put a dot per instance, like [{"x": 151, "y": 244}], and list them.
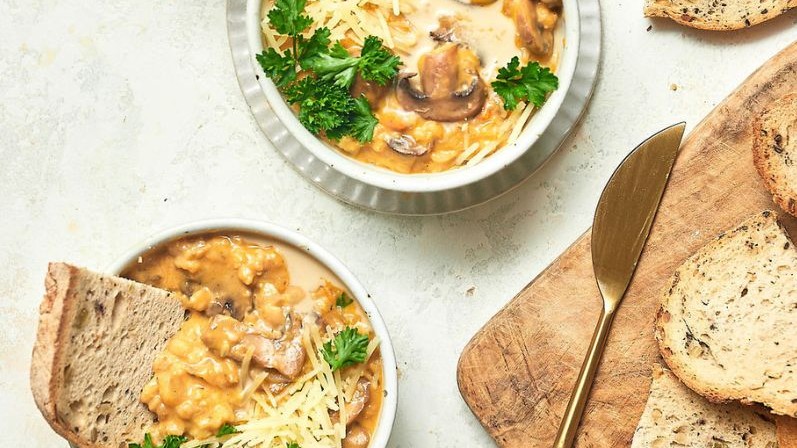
[{"x": 575, "y": 408}]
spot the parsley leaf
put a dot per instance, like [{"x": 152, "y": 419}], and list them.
[
  {"x": 168, "y": 442},
  {"x": 349, "y": 348},
  {"x": 343, "y": 300},
  {"x": 337, "y": 66},
  {"x": 363, "y": 122},
  {"x": 329, "y": 108},
  {"x": 280, "y": 68},
  {"x": 324, "y": 107},
  {"x": 292, "y": 445},
  {"x": 286, "y": 17},
  {"x": 311, "y": 48},
  {"x": 227, "y": 429},
  {"x": 531, "y": 83},
  {"x": 377, "y": 63}
]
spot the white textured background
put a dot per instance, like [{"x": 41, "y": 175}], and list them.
[{"x": 121, "y": 118}]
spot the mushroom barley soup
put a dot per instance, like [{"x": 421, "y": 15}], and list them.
[
  {"x": 273, "y": 353},
  {"x": 413, "y": 86}
]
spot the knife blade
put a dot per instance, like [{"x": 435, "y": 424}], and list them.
[{"x": 622, "y": 223}]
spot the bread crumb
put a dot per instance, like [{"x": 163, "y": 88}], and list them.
[{"x": 470, "y": 291}]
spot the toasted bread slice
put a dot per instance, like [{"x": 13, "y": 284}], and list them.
[
  {"x": 675, "y": 416},
  {"x": 727, "y": 325},
  {"x": 718, "y": 15},
  {"x": 98, "y": 336},
  {"x": 775, "y": 151}
]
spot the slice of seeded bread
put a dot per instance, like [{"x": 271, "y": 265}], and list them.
[
  {"x": 727, "y": 326},
  {"x": 775, "y": 151},
  {"x": 674, "y": 416},
  {"x": 98, "y": 336},
  {"x": 718, "y": 14}
]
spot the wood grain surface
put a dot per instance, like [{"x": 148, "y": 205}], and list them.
[{"x": 517, "y": 372}]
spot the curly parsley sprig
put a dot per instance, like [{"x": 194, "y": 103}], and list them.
[
  {"x": 325, "y": 104},
  {"x": 530, "y": 84},
  {"x": 168, "y": 442},
  {"x": 173, "y": 441},
  {"x": 347, "y": 348}
]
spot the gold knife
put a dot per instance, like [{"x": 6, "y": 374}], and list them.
[{"x": 621, "y": 226}]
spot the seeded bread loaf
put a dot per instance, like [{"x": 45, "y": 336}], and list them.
[
  {"x": 775, "y": 151},
  {"x": 674, "y": 416},
  {"x": 98, "y": 336},
  {"x": 718, "y": 14},
  {"x": 727, "y": 325}
]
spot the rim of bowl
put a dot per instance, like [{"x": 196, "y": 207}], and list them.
[
  {"x": 282, "y": 235},
  {"x": 422, "y": 182}
]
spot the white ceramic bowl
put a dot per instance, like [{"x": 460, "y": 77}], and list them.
[
  {"x": 432, "y": 182},
  {"x": 288, "y": 237}
]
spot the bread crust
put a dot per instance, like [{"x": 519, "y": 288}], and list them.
[
  {"x": 787, "y": 431},
  {"x": 688, "y": 18},
  {"x": 782, "y": 194},
  {"x": 45, "y": 368}
]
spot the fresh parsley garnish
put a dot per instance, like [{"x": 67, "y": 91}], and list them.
[
  {"x": 322, "y": 90},
  {"x": 360, "y": 123},
  {"x": 227, "y": 429},
  {"x": 280, "y": 68},
  {"x": 292, "y": 445},
  {"x": 347, "y": 348},
  {"x": 375, "y": 63},
  {"x": 531, "y": 83},
  {"x": 168, "y": 442},
  {"x": 343, "y": 300},
  {"x": 312, "y": 48},
  {"x": 286, "y": 17}
]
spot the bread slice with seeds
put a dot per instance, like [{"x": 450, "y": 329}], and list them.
[
  {"x": 674, "y": 416},
  {"x": 98, "y": 336},
  {"x": 727, "y": 325},
  {"x": 718, "y": 14},
  {"x": 775, "y": 151}
]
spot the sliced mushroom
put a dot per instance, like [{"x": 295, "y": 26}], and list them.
[
  {"x": 362, "y": 394},
  {"x": 405, "y": 144},
  {"x": 446, "y": 31},
  {"x": 356, "y": 437},
  {"x": 229, "y": 306},
  {"x": 358, "y": 402},
  {"x": 450, "y": 86},
  {"x": 230, "y": 338},
  {"x": 534, "y": 36}
]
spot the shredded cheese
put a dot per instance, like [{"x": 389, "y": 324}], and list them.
[
  {"x": 520, "y": 123},
  {"x": 299, "y": 414},
  {"x": 252, "y": 387},
  {"x": 484, "y": 152},
  {"x": 467, "y": 153},
  {"x": 355, "y": 20},
  {"x": 244, "y": 374}
]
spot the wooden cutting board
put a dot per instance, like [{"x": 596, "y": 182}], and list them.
[{"x": 517, "y": 373}]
